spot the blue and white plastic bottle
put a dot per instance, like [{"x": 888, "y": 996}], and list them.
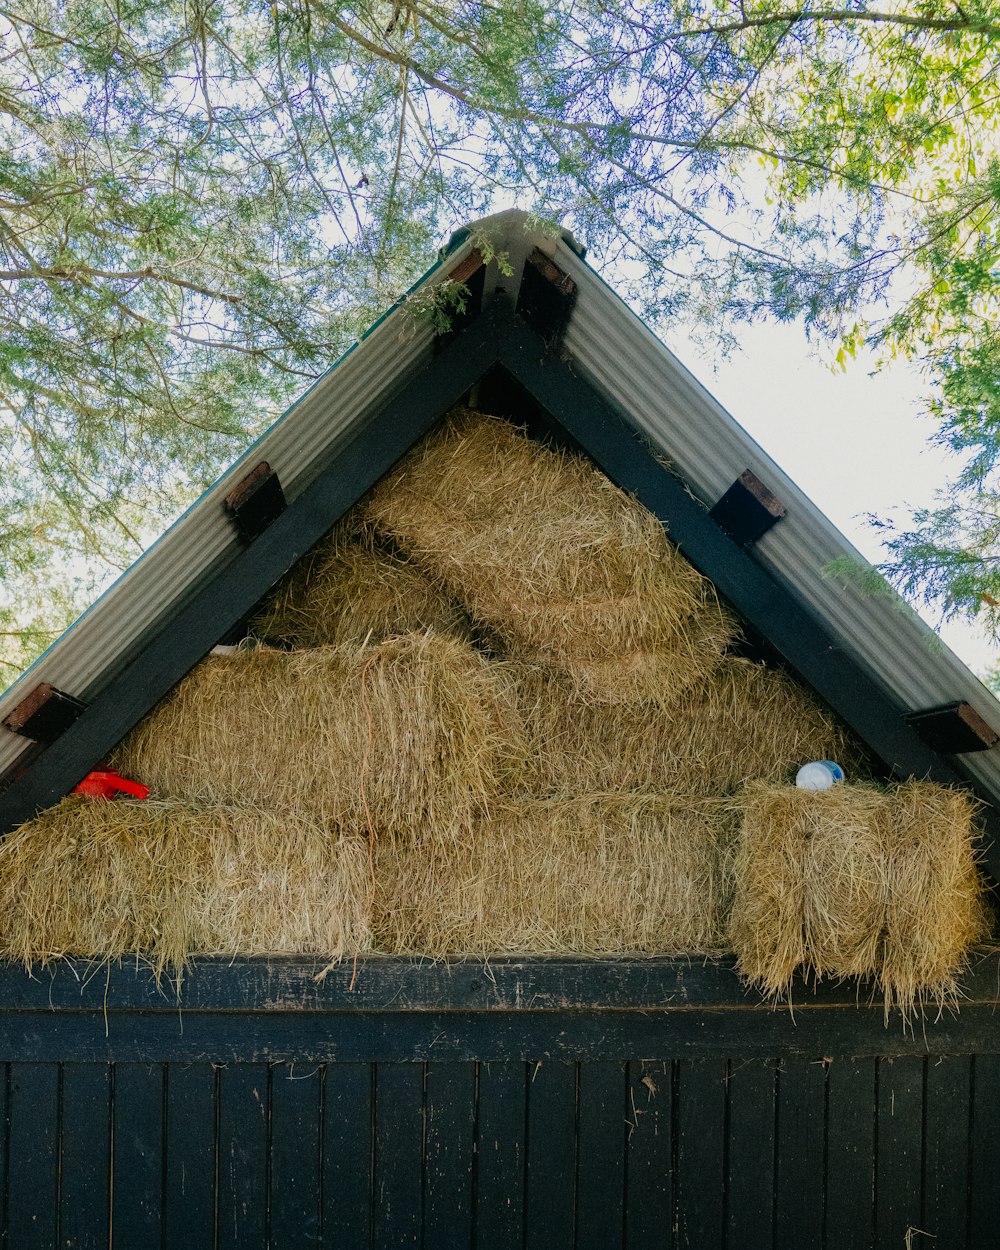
[{"x": 819, "y": 775}]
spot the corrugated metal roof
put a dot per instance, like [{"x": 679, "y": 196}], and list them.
[
  {"x": 610, "y": 346},
  {"x": 298, "y": 446},
  {"x": 613, "y": 349}
]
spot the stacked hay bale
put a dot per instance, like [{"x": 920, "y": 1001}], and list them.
[
  {"x": 746, "y": 721},
  {"x": 351, "y": 589},
  {"x": 166, "y": 880},
  {"x": 853, "y": 881},
  {"x": 498, "y": 712},
  {"x": 563, "y": 568},
  {"x": 411, "y": 736},
  {"x": 577, "y": 592},
  {"x": 598, "y": 874}
]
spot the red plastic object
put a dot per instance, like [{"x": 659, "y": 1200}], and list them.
[{"x": 105, "y": 785}]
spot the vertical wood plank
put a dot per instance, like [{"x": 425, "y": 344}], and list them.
[
  {"x": 33, "y": 1160},
  {"x": 649, "y": 1176},
  {"x": 137, "y": 1157},
  {"x": 295, "y": 1156},
  {"x": 4, "y": 1149},
  {"x": 801, "y": 1135},
  {"x": 946, "y": 1151},
  {"x": 984, "y": 1140},
  {"x": 399, "y": 1143},
  {"x": 347, "y": 1155},
  {"x": 550, "y": 1171},
  {"x": 850, "y": 1153},
  {"x": 85, "y": 1156},
  {"x": 244, "y": 1123},
  {"x": 898, "y": 1149},
  {"x": 448, "y": 1156},
  {"x": 600, "y": 1157},
  {"x": 750, "y": 1157},
  {"x": 189, "y": 1180},
  {"x": 700, "y": 1130},
  {"x": 499, "y": 1199}
]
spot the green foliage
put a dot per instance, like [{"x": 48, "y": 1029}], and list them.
[
  {"x": 437, "y": 307},
  {"x": 950, "y": 557},
  {"x": 204, "y": 203},
  {"x": 853, "y": 571}
]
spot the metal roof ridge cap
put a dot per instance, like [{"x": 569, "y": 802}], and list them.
[{"x": 506, "y": 220}]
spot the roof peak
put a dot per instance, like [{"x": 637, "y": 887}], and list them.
[{"x": 513, "y": 227}]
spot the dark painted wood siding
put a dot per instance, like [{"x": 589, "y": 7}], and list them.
[
  {"x": 698, "y": 1153},
  {"x": 689, "y": 1146}
]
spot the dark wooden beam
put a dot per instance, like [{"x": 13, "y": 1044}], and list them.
[
  {"x": 545, "y": 297},
  {"x": 470, "y": 274},
  {"x": 44, "y": 714},
  {"x": 954, "y": 728},
  {"x": 293, "y": 1036},
  {"x": 842, "y": 679},
  {"x": 192, "y": 632},
  {"x": 505, "y": 1009},
  {"x": 747, "y": 510},
  {"x": 401, "y": 983},
  {"x": 256, "y": 501}
]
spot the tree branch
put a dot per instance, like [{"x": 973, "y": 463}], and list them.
[
  {"x": 794, "y": 16},
  {"x": 73, "y": 273}
]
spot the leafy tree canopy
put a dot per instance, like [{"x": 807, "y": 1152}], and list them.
[{"x": 202, "y": 203}]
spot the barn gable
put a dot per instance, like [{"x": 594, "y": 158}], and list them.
[
  {"x": 502, "y": 1101},
  {"x": 549, "y": 333}
]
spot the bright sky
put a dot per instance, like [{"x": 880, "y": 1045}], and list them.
[{"x": 854, "y": 442}]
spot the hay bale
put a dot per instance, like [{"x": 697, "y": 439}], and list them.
[
  {"x": 561, "y": 565},
  {"x": 412, "y": 736},
  {"x": 935, "y": 909},
  {"x": 167, "y": 881},
  {"x": 349, "y": 590},
  {"x": 602, "y": 874},
  {"x": 856, "y": 881},
  {"x": 743, "y": 722},
  {"x": 653, "y": 677},
  {"x": 809, "y": 883}
]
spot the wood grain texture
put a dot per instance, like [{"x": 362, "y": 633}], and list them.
[
  {"x": 899, "y": 1150},
  {"x": 773, "y": 1154},
  {"x": 699, "y": 1153},
  {"x": 190, "y": 1165},
  {"x": 649, "y": 1156},
  {"x": 33, "y": 1111},
  {"x": 450, "y": 1109},
  {"x": 984, "y": 1150},
  {"x": 850, "y": 1154},
  {"x": 137, "y": 1155},
  {"x": 244, "y": 1146},
  {"x": 947, "y": 1107},
  {"x": 750, "y": 1159},
  {"x": 500, "y": 985},
  {"x": 600, "y": 1157},
  {"x": 551, "y": 1173},
  {"x": 296, "y": 1156},
  {"x": 799, "y": 1153},
  {"x": 398, "y": 1160},
  {"x": 348, "y": 1139},
  {"x": 85, "y": 1157},
  {"x": 500, "y": 1155}
]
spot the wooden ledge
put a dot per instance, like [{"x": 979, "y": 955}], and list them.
[{"x": 389, "y": 1009}]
